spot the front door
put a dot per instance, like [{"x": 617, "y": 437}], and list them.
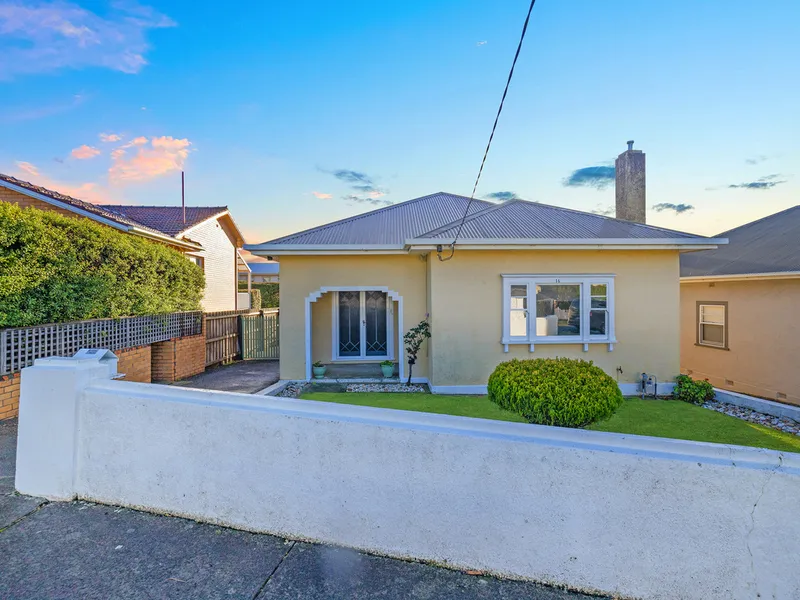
[{"x": 362, "y": 325}]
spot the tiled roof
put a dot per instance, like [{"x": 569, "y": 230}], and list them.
[
  {"x": 769, "y": 245},
  {"x": 166, "y": 219},
  {"x": 437, "y": 217},
  {"x": 391, "y": 225},
  {"x": 520, "y": 219},
  {"x": 94, "y": 209}
]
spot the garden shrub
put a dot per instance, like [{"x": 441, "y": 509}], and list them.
[
  {"x": 55, "y": 269},
  {"x": 555, "y": 391},
  {"x": 690, "y": 390}
]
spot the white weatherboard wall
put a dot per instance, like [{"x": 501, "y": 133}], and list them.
[
  {"x": 627, "y": 515},
  {"x": 219, "y": 257}
]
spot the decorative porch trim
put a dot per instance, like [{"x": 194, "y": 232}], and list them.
[{"x": 394, "y": 296}]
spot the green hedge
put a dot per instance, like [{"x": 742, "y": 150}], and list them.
[
  {"x": 269, "y": 294},
  {"x": 56, "y": 269},
  {"x": 555, "y": 391}
]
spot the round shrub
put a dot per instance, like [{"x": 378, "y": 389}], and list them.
[{"x": 555, "y": 391}]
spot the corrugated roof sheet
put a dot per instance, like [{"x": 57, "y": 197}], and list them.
[
  {"x": 769, "y": 245},
  {"x": 520, "y": 219},
  {"x": 166, "y": 219},
  {"x": 390, "y": 225},
  {"x": 438, "y": 216}
]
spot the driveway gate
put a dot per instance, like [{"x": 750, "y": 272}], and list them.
[{"x": 259, "y": 335}]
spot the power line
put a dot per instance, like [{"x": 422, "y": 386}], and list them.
[{"x": 491, "y": 137}]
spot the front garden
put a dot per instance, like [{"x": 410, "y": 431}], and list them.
[{"x": 577, "y": 394}]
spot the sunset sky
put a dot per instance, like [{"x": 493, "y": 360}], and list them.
[{"x": 298, "y": 113}]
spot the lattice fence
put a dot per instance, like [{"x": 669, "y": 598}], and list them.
[{"x": 20, "y": 346}]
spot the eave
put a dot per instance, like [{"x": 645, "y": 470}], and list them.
[{"x": 742, "y": 277}]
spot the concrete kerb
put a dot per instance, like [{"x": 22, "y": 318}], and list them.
[{"x": 767, "y": 407}]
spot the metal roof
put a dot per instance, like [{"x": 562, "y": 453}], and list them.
[
  {"x": 391, "y": 225},
  {"x": 769, "y": 245},
  {"x": 437, "y": 217},
  {"x": 264, "y": 268},
  {"x": 520, "y": 219},
  {"x": 166, "y": 219}
]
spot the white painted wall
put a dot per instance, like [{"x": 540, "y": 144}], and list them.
[
  {"x": 219, "y": 255},
  {"x": 636, "y": 516}
]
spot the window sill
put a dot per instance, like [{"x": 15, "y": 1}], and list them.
[
  {"x": 713, "y": 347},
  {"x": 533, "y": 343}
]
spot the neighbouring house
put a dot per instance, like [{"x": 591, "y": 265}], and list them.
[
  {"x": 526, "y": 280},
  {"x": 738, "y": 324},
  {"x": 260, "y": 272},
  {"x": 207, "y": 235}
]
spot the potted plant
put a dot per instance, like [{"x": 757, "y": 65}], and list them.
[
  {"x": 319, "y": 369},
  {"x": 387, "y": 367}
]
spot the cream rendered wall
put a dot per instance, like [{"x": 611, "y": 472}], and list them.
[
  {"x": 219, "y": 255},
  {"x": 303, "y": 275},
  {"x": 763, "y": 337},
  {"x": 467, "y": 316}
]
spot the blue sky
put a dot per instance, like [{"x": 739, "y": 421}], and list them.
[{"x": 295, "y": 114}]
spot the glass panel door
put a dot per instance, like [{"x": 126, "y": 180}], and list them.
[
  {"x": 375, "y": 323},
  {"x": 349, "y": 323}
]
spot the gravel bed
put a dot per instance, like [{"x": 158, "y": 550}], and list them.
[
  {"x": 387, "y": 387},
  {"x": 746, "y": 414},
  {"x": 293, "y": 390}
]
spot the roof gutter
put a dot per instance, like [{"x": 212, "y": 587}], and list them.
[
  {"x": 166, "y": 239},
  {"x": 742, "y": 277},
  {"x": 694, "y": 243}
]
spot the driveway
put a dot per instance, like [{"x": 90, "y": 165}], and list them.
[
  {"x": 246, "y": 376},
  {"x": 82, "y": 550}
]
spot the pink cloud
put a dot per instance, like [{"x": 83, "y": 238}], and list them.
[
  {"x": 27, "y": 167},
  {"x": 142, "y": 159},
  {"x": 88, "y": 191},
  {"x": 322, "y": 195},
  {"x": 110, "y": 137},
  {"x": 84, "y": 152},
  {"x": 56, "y": 35}
]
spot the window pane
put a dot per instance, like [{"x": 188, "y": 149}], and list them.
[
  {"x": 519, "y": 296},
  {"x": 710, "y": 313},
  {"x": 597, "y": 322},
  {"x": 558, "y": 309},
  {"x": 712, "y": 334},
  {"x": 599, "y": 289},
  {"x": 599, "y": 302},
  {"x": 519, "y": 323}
]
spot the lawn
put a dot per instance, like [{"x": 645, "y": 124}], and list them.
[
  {"x": 659, "y": 418},
  {"x": 674, "y": 419},
  {"x": 462, "y": 406}
]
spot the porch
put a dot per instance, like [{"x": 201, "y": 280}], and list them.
[{"x": 352, "y": 330}]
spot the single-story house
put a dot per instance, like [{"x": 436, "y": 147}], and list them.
[
  {"x": 738, "y": 302},
  {"x": 526, "y": 280},
  {"x": 260, "y": 272},
  {"x": 207, "y": 235}
]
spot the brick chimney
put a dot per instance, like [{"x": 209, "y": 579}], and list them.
[{"x": 630, "y": 183}]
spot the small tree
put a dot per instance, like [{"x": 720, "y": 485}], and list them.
[{"x": 413, "y": 341}]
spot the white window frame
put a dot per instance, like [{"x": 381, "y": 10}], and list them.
[
  {"x": 701, "y": 322},
  {"x": 363, "y": 330},
  {"x": 585, "y": 281}
]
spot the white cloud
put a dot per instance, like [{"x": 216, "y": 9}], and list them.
[
  {"x": 47, "y": 36},
  {"x": 110, "y": 137},
  {"x": 84, "y": 152},
  {"x": 142, "y": 159},
  {"x": 322, "y": 195}
]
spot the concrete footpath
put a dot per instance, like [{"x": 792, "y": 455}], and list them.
[
  {"x": 66, "y": 550},
  {"x": 245, "y": 376}
]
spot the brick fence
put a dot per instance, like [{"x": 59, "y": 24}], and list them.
[
  {"x": 165, "y": 362},
  {"x": 178, "y": 358}
]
